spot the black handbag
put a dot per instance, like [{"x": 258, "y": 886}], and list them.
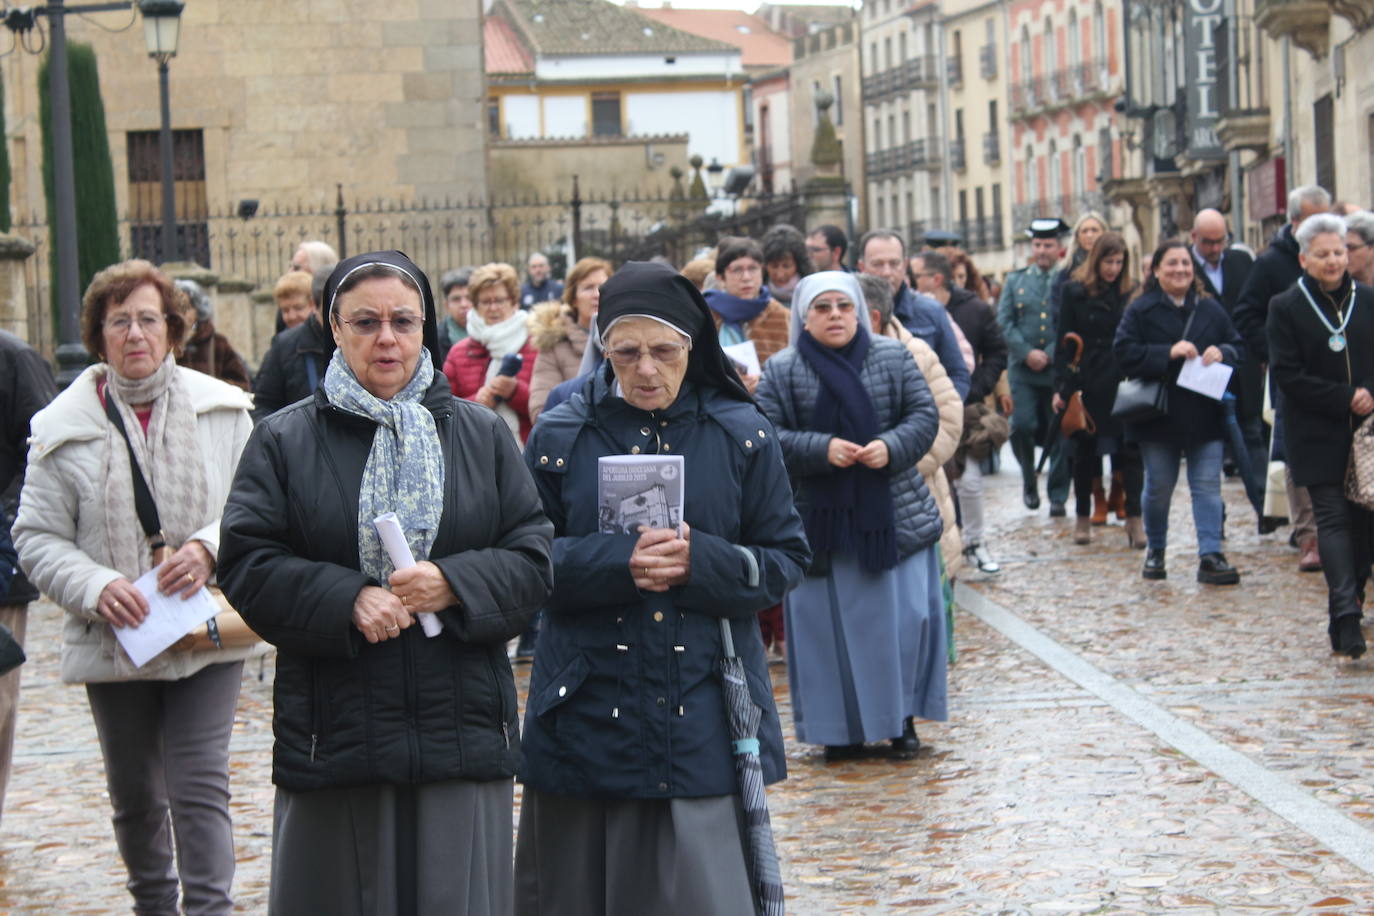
[
  {"x": 1143, "y": 400},
  {"x": 11, "y": 653}
]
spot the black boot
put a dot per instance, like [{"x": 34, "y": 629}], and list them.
[
  {"x": 1347, "y": 638},
  {"x": 837, "y": 752},
  {"x": 906, "y": 746},
  {"x": 1212, "y": 569},
  {"x": 1154, "y": 564},
  {"x": 1030, "y": 494}
]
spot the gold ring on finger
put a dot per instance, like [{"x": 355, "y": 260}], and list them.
[{"x": 190, "y": 577}]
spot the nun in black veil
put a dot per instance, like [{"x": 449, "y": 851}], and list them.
[{"x": 630, "y": 802}]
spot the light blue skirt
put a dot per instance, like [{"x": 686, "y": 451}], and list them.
[{"x": 866, "y": 651}]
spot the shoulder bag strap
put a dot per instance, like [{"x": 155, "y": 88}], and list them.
[{"x": 143, "y": 497}]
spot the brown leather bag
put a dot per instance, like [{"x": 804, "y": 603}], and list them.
[{"x": 1076, "y": 418}]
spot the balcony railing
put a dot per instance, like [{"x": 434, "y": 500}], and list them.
[
  {"x": 954, "y": 66},
  {"x": 992, "y": 148},
  {"x": 987, "y": 61},
  {"x": 1092, "y": 77},
  {"x": 957, "y": 157},
  {"x": 925, "y": 153},
  {"x": 921, "y": 72},
  {"x": 1063, "y": 84}
]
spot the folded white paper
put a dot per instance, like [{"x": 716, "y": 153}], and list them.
[
  {"x": 1207, "y": 380},
  {"x": 394, "y": 540},
  {"x": 745, "y": 354},
  {"x": 169, "y": 618}
]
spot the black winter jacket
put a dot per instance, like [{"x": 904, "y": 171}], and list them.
[
  {"x": 1273, "y": 272},
  {"x": 284, "y": 377},
  {"x": 1317, "y": 382},
  {"x": 411, "y": 709},
  {"x": 26, "y": 387},
  {"x": 978, "y": 321},
  {"x": 1095, "y": 318},
  {"x": 1149, "y": 328},
  {"x": 625, "y": 698}
]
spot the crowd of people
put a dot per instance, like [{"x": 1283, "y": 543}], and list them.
[{"x": 837, "y": 410}]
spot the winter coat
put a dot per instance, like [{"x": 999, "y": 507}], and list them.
[
  {"x": 285, "y": 376},
  {"x": 1317, "y": 382},
  {"x": 406, "y": 710},
  {"x": 26, "y": 387},
  {"x": 932, "y": 463},
  {"x": 1235, "y": 267},
  {"x": 1093, "y": 317},
  {"x": 625, "y": 697},
  {"x": 907, "y": 416},
  {"x": 1149, "y": 328},
  {"x": 768, "y": 330},
  {"x": 926, "y": 318},
  {"x": 548, "y": 291},
  {"x": 560, "y": 340},
  {"x": 466, "y": 369},
  {"x": 1274, "y": 272},
  {"x": 61, "y": 524},
  {"x": 978, "y": 321},
  {"x": 210, "y": 352}
]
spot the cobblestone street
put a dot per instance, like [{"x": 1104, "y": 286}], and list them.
[{"x": 1114, "y": 746}]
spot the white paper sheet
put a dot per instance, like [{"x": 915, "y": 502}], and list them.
[
  {"x": 1207, "y": 380},
  {"x": 169, "y": 618},
  {"x": 394, "y": 540},
  {"x": 746, "y": 355}
]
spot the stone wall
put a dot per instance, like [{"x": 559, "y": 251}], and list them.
[{"x": 544, "y": 168}]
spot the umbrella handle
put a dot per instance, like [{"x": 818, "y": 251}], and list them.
[{"x": 727, "y": 638}]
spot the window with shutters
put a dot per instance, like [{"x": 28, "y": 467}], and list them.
[{"x": 145, "y": 196}]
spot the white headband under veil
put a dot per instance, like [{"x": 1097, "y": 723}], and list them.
[{"x": 825, "y": 281}]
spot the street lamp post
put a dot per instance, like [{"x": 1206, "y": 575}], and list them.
[{"x": 161, "y": 29}]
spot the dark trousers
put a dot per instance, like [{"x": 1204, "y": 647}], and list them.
[
  {"x": 1030, "y": 423},
  {"x": 1344, "y": 534},
  {"x": 1087, "y": 466}
]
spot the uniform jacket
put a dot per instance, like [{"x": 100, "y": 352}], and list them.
[
  {"x": 768, "y": 330},
  {"x": 926, "y": 318},
  {"x": 978, "y": 322},
  {"x": 26, "y": 387},
  {"x": 1150, "y": 326},
  {"x": 1093, "y": 317},
  {"x": 560, "y": 340},
  {"x": 1024, "y": 315},
  {"x": 907, "y": 414},
  {"x": 286, "y": 371},
  {"x": 932, "y": 463},
  {"x": 211, "y": 353},
  {"x": 625, "y": 697},
  {"x": 411, "y": 709},
  {"x": 1274, "y": 272},
  {"x": 61, "y": 524},
  {"x": 466, "y": 368},
  {"x": 1318, "y": 383}
]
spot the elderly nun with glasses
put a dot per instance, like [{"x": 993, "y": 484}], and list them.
[
  {"x": 866, "y": 629},
  {"x": 396, "y": 743},
  {"x": 630, "y": 802}
]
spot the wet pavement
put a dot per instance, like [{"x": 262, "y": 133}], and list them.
[{"x": 1114, "y": 746}]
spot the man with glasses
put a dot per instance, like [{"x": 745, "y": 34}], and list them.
[
  {"x": 826, "y": 245},
  {"x": 1358, "y": 241}
]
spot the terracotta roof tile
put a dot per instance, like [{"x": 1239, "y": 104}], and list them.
[
  {"x": 760, "y": 46},
  {"x": 566, "y": 27},
  {"x": 503, "y": 50}
]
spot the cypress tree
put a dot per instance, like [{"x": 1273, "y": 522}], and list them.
[
  {"x": 97, "y": 223},
  {"x": 5, "y": 224}
]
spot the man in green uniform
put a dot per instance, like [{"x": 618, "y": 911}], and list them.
[{"x": 1028, "y": 324}]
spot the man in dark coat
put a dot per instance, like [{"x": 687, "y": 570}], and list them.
[
  {"x": 296, "y": 361},
  {"x": 1274, "y": 272},
  {"x": 26, "y": 387},
  {"x": 539, "y": 287},
  {"x": 976, "y": 319}
]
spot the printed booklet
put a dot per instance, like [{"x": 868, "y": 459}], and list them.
[{"x": 639, "y": 490}]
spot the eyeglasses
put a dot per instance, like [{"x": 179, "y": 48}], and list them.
[
  {"x": 401, "y": 324},
  {"x": 818, "y": 249},
  {"x": 1355, "y": 247},
  {"x": 743, "y": 270},
  {"x": 493, "y": 303},
  {"x": 149, "y": 323},
  {"x": 825, "y": 308},
  {"x": 660, "y": 353}
]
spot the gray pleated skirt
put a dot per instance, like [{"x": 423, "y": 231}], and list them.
[
  {"x": 442, "y": 847},
  {"x": 671, "y": 857}
]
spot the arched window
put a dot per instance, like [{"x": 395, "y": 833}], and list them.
[
  {"x": 1080, "y": 171},
  {"x": 1055, "y": 186},
  {"x": 1050, "y": 52},
  {"x": 1026, "y": 72},
  {"x": 1075, "y": 53},
  {"x": 1032, "y": 177},
  {"x": 1099, "y": 49}
]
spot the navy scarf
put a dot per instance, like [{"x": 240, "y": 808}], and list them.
[
  {"x": 735, "y": 310},
  {"x": 851, "y": 509}
]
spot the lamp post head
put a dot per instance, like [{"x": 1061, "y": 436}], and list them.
[{"x": 161, "y": 27}]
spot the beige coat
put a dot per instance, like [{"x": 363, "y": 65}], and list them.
[
  {"x": 932, "y": 463},
  {"x": 61, "y": 523},
  {"x": 560, "y": 340}
]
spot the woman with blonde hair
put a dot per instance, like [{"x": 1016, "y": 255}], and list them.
[{"x": 560, "y": 330}]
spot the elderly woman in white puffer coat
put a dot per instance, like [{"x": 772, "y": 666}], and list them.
[{"x": 163, "y": 727}]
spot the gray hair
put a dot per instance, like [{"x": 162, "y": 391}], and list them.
[
  {"x": 1312, "y": 194},
  {"x": 199, "y": 298},
  {"x": 459, "y": 276},
  {"x": 319, "y": 254},
  {"x": 877, "y": 296},
  {"x": 317, "y": 283},
  {"x": 1361, "y": 222},
  {"x": 1319, "y": 224}
]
